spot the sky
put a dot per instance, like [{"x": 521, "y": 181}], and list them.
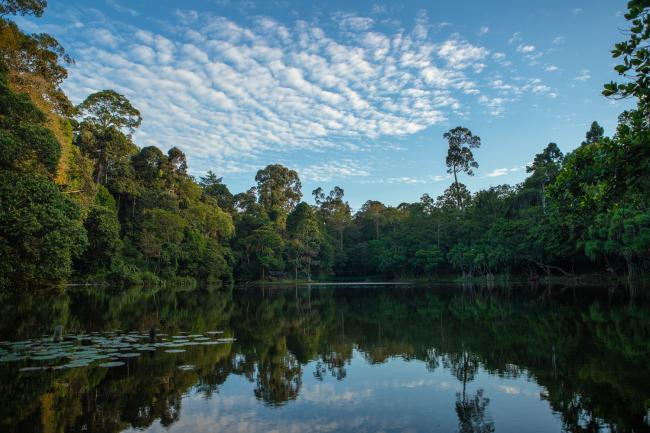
[{"x": 350, "y": 93}]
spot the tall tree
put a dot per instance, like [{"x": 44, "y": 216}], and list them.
[
  {"x": 335, "y": 212},
  {"x": 304, "y": 230},
  {"x": 104, "y": 134},
  {"x": 594, "y": 135},
  {"x": 214, "y": 188},
  {"x": 460, "y": 158},
  {"x": 107, "y": 109},
  {"x": 278, "y": 191},
  {"x": 545, "y": 168}
]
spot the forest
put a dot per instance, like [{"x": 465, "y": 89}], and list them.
[{"x": 81, "y": 202}]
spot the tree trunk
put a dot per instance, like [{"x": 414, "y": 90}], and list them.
[
  {"x": 309, "y": 268},
  {"x": 457, "y": 190}
]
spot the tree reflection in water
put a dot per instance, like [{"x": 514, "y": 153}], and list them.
[
  {"x": 472, "y": 413},
  {"x": 590, "y": 357}
]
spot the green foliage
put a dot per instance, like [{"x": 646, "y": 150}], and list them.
[
  {"x": 22, "y": 7},
  {"x": 278, "y": 191},
  {"x": 635, "y": 56},
  {"x": 460, "y": 158},
  {"x": 25, "y": 144},
  {"x": 109, "y": 109},
  {"x": 40, "y": 232},
  {"x": 595, "y": 134},
  {"x": 214, "y": 188},
  {"x": 103, "y": 231},
  {"x": 99, "y": 134},
  {"x": 148, "y": 220},
  {"x": 428, "y": 260}
]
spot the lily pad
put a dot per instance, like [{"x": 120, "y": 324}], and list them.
[
  {"x": 175, "y": 351},
  {"x": 112, "y": 364},
  {"x": 128, "y": 355},
  {"x": 49, "y": 357},
  {"x": 186, "y": 367},
  {"x": 13, "y": 357},
  {"x": 28, "y": 369}
]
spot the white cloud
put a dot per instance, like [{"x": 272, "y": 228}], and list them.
[
  {"x": 495, "y": 105},
  {"x": 328, "y": 171},
  {"x": 584, "y": 75},
  {"x": 352, "y": 22},
  {"x": 498, "y": 172},
  {"x": 106, "y": 38},
  {"x": 409, "y": 180},
  {"x": 515, "y": 38},
  {"x": 229, "y": 93},
  {"x": 121, "y": 8},
  {"x": 512, "y": 390},
  {"x": 558, "y": 40},
  {"x": 576, "y": 11},
  {"x": 551, "y": 68},
  {"x": 460, "y": 54},
  {"x": 525, "y": 48},
  {"x": 483, "y": 30}
]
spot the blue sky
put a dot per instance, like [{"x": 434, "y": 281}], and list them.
[{"x": 348, "y": 93}]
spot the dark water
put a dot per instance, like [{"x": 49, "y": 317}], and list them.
[{"x": 326, "y": 359}]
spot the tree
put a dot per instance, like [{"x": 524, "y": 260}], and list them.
[
  {"x": 40, "y": 231},
  {"x": 455, "y": 196},
  {"x": 545, "y": 168},
  {"x": 304, "y": 230},
  {"x": 104, "y": 117},
  {"x": 177, "y": 162},
  {"x": 266, "y": 245},
  {"x": 334, "y": 211},
  {"x": 214, "y": 188},
  {"x": 25, "y": 143},
  {"x": 103, "y": 231},
  {"x": 109, "y": 109},
  {"x": 460, "y": 158},
  {"x": 35, "y": 63},
  {"x": 635, "y": 55},
  {"x": 428, "y": 260},
  {"x": 278, "y": 191},
  {"x": 161, "y": 237},
  {"x": 594, "y": 135},
  {"x": 149, "y": 164},
  {"x": 22, "y": 7},
  {"x": 374, "y": 212}
]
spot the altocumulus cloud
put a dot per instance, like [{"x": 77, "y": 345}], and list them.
[{"x": 228, "y": 92}]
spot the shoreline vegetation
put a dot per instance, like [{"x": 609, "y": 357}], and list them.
[{"x": 82, "y": 203}]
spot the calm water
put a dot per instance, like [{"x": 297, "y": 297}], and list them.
[{"x": 326, "y": 359}]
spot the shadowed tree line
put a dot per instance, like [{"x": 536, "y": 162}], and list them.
[{"x": 82, "y": 202}]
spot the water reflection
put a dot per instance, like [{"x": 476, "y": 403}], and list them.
[{"x": 346, "y": 358}]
